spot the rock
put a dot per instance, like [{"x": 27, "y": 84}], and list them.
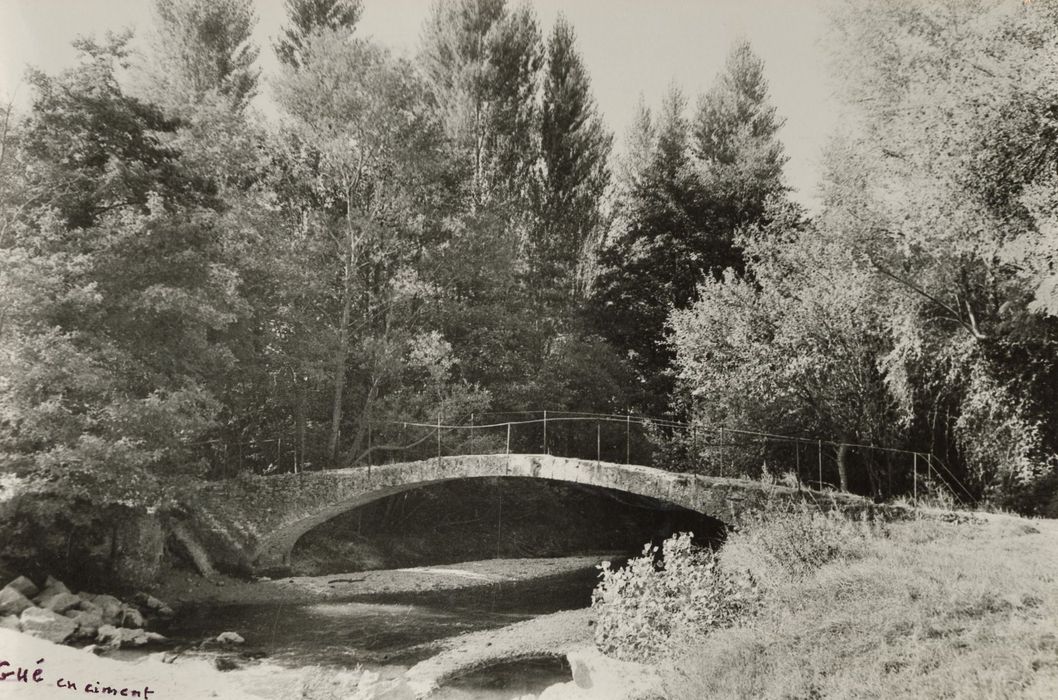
[
  {"x": 10, "y": 622},
  {"x": 51, "y": 587},
  {"x": 110, "y": 607},
  {"x": 131, "y": 617},
  {"x": 12, "y": 602},
  {"x": 60, "y": 602},
  {"x": 24, "y": 586},
  {"x": 46, "y": 624},
  {"x": 88, "y": 605},
  {"x": 88, "y": 622},
  {"x": 230, "y": 638},
  {"x": 115, "y": 637},
  {"x": 145, "y": 600},
  {"x": 225, "y": 663},
  {"x": 55, "y": 584}
]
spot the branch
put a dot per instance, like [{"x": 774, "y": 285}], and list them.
[{"x": 955, "y": 314}]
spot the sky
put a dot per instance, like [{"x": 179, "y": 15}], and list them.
[{"x": 633, "y": 49}]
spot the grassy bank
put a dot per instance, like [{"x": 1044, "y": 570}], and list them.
[{"x": 916, "y": 609}]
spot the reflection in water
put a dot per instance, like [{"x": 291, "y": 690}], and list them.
[{"x": 508, "y": 680}]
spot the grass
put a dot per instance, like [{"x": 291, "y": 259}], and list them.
[{"x": 916, "y": 609}]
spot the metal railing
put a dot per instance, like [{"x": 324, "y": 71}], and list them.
[{"x": 635, "y": 439}]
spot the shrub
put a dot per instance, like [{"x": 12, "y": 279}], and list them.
[
  {"x": 796, "y": 539},
  {"x": 643, "y": 607}
]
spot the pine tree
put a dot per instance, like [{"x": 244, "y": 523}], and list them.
[
  {"x": 687, "y": 190},
  {"x": 203, "y": 46},
  {"x": 308, "y": 16},
  {"x": 574, "y": 175},
  {"x": 740, "y": 158},
  {"x": 649, "y": 263}
]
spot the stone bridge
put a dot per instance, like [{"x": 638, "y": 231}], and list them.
[{"x": 251, "y": 524}]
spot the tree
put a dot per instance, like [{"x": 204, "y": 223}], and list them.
[
  {"x": 687, "y": 190},
  {"x": 649, "y": 263},
  {"x": 363, "y": 138},
  {"x": 482, "y": 66},
  {"x": 792, "y": 349},
  {"x": 308, "y": 16},
  {"x": 203, "y": 47},
  {"x": 737, "y": 151},
  {"x": 118, "y": 298},
  {"x": 574, "y": 175},
  {"x": 940, "y": 191}
]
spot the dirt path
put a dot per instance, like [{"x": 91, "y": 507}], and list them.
[{"x": 186, "y": 589}]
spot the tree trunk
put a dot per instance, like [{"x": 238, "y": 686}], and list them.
[
  {"x": 843, "y": 471},
  {"x": 342, "y": 354},
  {"x": 300, "y": 419}
]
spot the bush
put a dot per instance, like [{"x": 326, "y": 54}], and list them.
[
  {"x": 796, "y": 539},
  {"x": 643, "y": 607}
]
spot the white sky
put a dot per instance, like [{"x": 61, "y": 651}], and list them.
[{"x": 631, "y": 48}]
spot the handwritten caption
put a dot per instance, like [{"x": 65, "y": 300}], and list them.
[{"x": 35, "y": 675}]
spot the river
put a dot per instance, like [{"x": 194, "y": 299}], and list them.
[{"x": 388, "y": 632}]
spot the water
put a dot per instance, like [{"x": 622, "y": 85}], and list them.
[{"x": 390, "y": 632}]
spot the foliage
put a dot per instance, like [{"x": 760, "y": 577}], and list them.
[
  {"x": 641, "y": 607},
  {"x": 685, "y": 192},
  {"x": 939, "y": 192},
  {"x": 785, "y": 540},
  {"x": 309, "y": 16},
  {"x": 573, "y": 173},
  {"x": 203, "y": 47}
]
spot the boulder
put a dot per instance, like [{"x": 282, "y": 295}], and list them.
[
  {"x": 114, "y": 637},
  {"x": 130, "y": 617},
  {"x": 51, "y": 587},
  {"x": 12, "y": 602},
  {"x": 24, "y": 586},
  {"x": 149, "y": 602},
  {"x": 60, "y": 602},
  {"x": 46, "y": 624},
  {"x": 10, "y": 622},
  {"x": 110, "y": 607},
  {"x": 88, "y": 622},
  {"x": 230, "y": 638}
]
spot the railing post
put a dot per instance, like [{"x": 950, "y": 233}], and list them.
[
  {"x": 369, "y": 447},
  {"x": 797, "y": 461},
  {"x": 820, "y": 482},
  {"x": 914, "y": 477},
  {"x": 472, "y": 430},
  {"x": 721, "y": 450},
  {"x": 279, "y": 453},
  {"x": 508, "y": 447},
  {"x": 628, "y": 438},
  {"x": 598, "y": 441},
  {"x": 438, "y": 438},
  {"x": 545, "y": 432}
]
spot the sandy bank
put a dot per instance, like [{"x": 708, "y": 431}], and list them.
[{"x": 185, "y": 589}]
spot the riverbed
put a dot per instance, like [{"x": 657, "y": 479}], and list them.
[{"x": 388, "y": 621}]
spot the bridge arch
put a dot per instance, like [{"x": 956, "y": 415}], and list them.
[{"x": 314, "y": 498}]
